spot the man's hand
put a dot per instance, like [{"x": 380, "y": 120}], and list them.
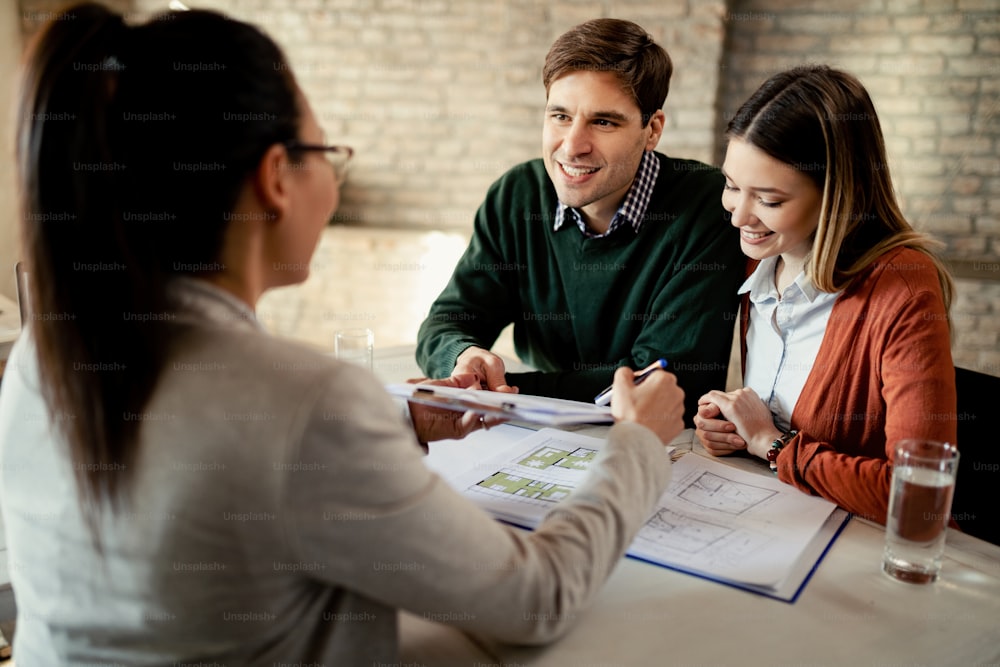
[
  {"x": 487, "y": 366},
  {"x": 431, "y": 423},
  {"x": 657, "y": 403}
]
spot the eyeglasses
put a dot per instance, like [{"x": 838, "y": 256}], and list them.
[{"x": 338, "y": 156}]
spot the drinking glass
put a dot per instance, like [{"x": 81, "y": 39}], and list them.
[
  {"x": 923, "y": 483},
  {"x": 356, "y": 346}
]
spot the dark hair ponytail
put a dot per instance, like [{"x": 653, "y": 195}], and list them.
[{"x": 134, "y": 144}]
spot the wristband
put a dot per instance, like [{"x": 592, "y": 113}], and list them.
[{"x": 776, "y": 447}]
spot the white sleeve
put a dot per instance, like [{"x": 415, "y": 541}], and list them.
[{"x": 388, "y": 528}]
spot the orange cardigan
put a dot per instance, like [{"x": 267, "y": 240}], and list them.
[{"x": 883, "y": 372}]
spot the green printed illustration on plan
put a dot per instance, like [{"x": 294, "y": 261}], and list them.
[
  {"x": 578, "y": 459},
  {"x": 525, "y": 487}
]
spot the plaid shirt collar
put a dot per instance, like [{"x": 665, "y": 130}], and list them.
[{"x": 633, "y": 208}]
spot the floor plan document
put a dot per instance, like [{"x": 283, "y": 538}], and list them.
[{"x": 715, "y": 521}]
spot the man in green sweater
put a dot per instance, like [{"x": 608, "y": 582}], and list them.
[{"x": 603, "y": 253}]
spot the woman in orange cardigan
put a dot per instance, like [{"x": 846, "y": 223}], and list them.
[{"x": 844, "y": 320}]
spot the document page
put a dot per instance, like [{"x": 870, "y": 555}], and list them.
[{"x": 713, "y": 520}]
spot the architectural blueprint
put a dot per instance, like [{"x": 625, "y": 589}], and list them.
[{"x": 742, "y": 528}]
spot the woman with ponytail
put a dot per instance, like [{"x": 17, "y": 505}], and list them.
[
  {"x": 179, "y": 487},
  {"x": 845, "y": 334}
]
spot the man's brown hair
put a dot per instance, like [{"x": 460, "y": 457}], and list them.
[{"x": 621, "y": 47}]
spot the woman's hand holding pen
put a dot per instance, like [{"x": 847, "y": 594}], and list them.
[{"x": 657, "y": 403}]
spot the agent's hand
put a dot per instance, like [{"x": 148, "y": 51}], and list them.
[
  {"x": 432, "y": 423},
  {"x": 752, "y": 422},
  {"x": 657, "y": 403},
  {"x": 488, "y": 366},
  {"x": 717, "y": 436}
]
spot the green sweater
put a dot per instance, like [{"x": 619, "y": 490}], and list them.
[{"x": 582, "y": 307}]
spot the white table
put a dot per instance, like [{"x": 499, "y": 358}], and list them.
[{"x": 850, "y": 613}]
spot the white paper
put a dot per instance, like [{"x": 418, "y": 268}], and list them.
[
  {"x": 714, "y": 520},
  {"x": 517, "y": 407}
]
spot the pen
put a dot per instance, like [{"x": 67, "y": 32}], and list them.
[{"x": 604, "y": 398}]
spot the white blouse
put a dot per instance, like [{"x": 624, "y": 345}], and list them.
[{"x": 783, "y": 338}]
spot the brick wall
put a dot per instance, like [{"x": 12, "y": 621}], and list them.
[
  {"x": 439, "y": 97},
  {"x": 932, "y": 68},
  {"x": 10, "y": 53}
]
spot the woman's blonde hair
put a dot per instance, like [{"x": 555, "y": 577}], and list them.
[{"x": 822, "y": 122}]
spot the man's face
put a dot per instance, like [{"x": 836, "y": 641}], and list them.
[{"x": 592, "y": 142}]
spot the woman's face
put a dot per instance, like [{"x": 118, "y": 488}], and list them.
[{"x": 775, "y": 207}]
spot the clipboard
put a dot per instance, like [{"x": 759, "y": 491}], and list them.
[{"x": 513, "y": 407}]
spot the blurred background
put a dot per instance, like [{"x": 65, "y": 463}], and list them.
[{"x": 440, "y": 97}]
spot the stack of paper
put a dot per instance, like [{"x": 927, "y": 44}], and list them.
[{"x": 515, "y": 407}]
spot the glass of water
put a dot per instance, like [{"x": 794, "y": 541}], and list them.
[
  {"x": 923, "y": 483},
  {"x": 356, "y": 346}
]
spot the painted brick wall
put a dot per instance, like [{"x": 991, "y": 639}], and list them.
[
  {"x": 932, "y": 68},
  {"x": 440, "y": 97}
]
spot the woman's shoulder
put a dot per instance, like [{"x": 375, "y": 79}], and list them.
[
  {"x": 903, "y": 270},
  {"x": 282, "y": 385},
  {"x": 257, "y": 366}
]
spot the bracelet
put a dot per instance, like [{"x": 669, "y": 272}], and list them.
[{"x": 776, "y": 447}]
